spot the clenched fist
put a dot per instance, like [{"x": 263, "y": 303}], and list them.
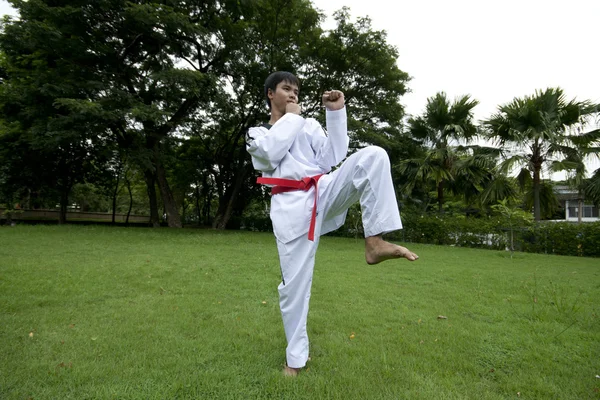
[
  {"x": 293, "y": 108},
  {"x": 333, "y": 100}
]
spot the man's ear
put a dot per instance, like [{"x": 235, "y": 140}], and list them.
[{"x": 270, "y": 93}]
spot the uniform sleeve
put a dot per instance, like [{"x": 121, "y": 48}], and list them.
[
  {"x": 331, "y": 149},
  {"x": 268, "y": 147}
]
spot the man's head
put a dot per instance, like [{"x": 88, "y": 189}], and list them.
[{"x": 282, "y": 81}]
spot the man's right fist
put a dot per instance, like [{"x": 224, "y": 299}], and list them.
[{"x": 293, "y": 108}]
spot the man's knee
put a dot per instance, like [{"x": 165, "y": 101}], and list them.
[{"x": 375, "y": 154}]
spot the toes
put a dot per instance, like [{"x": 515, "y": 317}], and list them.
[{"x": 409, "y": 255}]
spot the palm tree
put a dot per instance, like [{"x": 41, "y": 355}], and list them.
[
  {"x": 497, "y": 187},
  {"x": 592, "y": 188},
  {"x": 575, "y": 166},
  {"x": 440, "y": 128},
  {"x": 538, "y": 130}
]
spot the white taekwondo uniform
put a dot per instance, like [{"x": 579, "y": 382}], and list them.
[{"x": 295, "y": 148}]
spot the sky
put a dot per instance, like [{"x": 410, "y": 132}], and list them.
[{"x": 492, "y": 50}]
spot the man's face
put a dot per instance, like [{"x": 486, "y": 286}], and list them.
[{"x": 285, "y": 93}]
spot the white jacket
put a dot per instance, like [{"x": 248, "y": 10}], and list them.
[{"x": 295, "y": 148}]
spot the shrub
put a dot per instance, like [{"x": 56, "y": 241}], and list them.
[
  {"x": 564, "y": 238},
  {"x": 454, "y": 231},
  {"x": 491, "y": 232}
]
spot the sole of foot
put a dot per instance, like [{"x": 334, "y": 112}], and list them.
[{"x": 386, "y": 251}]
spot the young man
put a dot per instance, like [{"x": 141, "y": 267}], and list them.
[{"x": 295, "y": 157}]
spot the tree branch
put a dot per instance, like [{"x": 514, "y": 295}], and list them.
[
  {"x": 127, "y": 49},
  {"x": 181, "y": 113}
]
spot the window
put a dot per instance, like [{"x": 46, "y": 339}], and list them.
[{"x": 589, "y": 211}]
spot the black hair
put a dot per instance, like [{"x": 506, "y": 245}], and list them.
[{"x": 275, "y": 79}]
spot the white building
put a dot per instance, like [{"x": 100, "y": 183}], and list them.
[{"x": 575, "y": 206}]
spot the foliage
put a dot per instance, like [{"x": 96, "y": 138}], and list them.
[
  {"x": 592, "y": 188},
  {"x": 514, "y": 217},
  {"x": 537, "y": 130},
  {"x": 358, "y": 60},
  {"x": 89, "y": 197},
  {"x": 256, "y": 217},
  {"x": 549, "y": 203},
  {"x": 453, "y": 230},
  {"x": 10, "y": 213},
  {"x": 447, "y": 229},
  {"x": 498, "y": 187},
  {"x": 508, "y": 228},
  {"x": 564, "y": 238},
  {"x": 172, "y": 88},
  {"x": 443, "y": 163}
]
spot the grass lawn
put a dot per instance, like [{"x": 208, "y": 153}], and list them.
[{"x": 89, "y": 312}]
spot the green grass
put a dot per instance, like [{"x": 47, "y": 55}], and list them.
[{"x": 90, "y": 312}]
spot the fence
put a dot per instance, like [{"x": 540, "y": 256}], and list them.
[{"x": 52, "y": 215}]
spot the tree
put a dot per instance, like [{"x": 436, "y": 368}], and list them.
[
  {"x": 592, "y": 188},
  {"x": 358, "y": 60},
  {"x": 440, "y": 129},
  {"x": 575, "y": 166},
  {"x": 498, "y": 187},
  {"x": 139, "y": 70},
  {"x": 514, "y": 217},
  {"x": 287, "y": 36},
  {"x": 536, "y": 131},
  {"x": 47, "y": 149},
  {"x": 148, "y": 77}
]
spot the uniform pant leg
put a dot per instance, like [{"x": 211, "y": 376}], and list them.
[
  {"x": 365, "y": 176},
  {"x": 297, "y": 260}
]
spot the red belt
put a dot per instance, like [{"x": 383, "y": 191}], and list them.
[{"x": 290, "y": 185}]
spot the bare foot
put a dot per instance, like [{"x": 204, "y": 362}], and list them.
[
  {"x": 289, "y": 371},
  {"x": 378, "y": 250}
]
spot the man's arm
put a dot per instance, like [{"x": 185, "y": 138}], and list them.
[
  {"x": 330, "y": 150},
  {"x": 268, "y": 147}
]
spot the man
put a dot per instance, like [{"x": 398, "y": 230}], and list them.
[{"x": 296, "y": 156}]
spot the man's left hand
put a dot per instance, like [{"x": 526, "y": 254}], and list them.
[{"x": 333, "y": 100}]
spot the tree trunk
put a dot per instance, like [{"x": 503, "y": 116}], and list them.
[
  {"x": 64, "y": 202},
  {"x": 225, "y": 210},
  {"x": 206, "y": 209},
  {"x": 197, "y": 195},
  {"x": 27, "y": 202},
  {"x": 222, "y": 220},
  {"x": 579, "y": 210},
  {"x": 173, "y": 218},
  {"x": 183, "y": 209},
  {"x": 130, "y": 200},
  {"x": 440, "y": 191},
  {"x": 207, "y": 200},
  {"x": 512, "y": 241},
  {"x": 221, "y": 210},
  {"x": 114, "y": 197},
  {"x": 150, "y": 181},
  {"x": 536, "y": 192}
]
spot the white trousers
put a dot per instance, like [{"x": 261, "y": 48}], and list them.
[{"x": 364, "y": 176}]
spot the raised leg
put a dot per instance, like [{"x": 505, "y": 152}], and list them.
[{"x": 366, "y": 177}]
